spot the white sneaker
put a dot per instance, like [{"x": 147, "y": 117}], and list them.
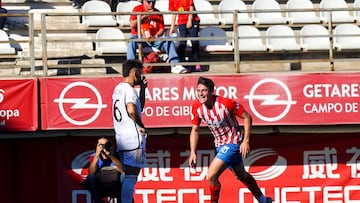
[{"x": 178, "y": 69}]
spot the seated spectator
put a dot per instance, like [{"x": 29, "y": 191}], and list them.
[
  {"x": 103, "y": 157},
  {"x": 152, "y": 27},
  {"x": 2, "y": 19}
]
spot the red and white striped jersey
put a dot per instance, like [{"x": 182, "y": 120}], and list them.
[{"x": 221, "y": 119}]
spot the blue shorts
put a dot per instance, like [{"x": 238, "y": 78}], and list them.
[{"x": 229, "y": 153}]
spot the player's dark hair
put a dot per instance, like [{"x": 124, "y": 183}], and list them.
[
  {"x": 207, "y": 82},
  {"x": 130, "y": 64}
]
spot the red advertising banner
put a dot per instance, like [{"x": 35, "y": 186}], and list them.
[
  {"x": 288, "y": 168},
  {"x": 75, "y": 103},
  {"x": 272, "y": 99},
  {"x": 18, "y": 105}
]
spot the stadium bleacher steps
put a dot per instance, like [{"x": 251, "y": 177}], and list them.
[{"x": 18, "y": 30}]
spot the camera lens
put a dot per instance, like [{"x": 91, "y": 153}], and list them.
[{"x": 108, "y": 146}]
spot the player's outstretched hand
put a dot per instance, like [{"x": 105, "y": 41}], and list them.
[{"x": 245, "y": 149}]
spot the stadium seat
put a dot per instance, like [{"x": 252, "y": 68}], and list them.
[
  {"x": 281, "y": 38},
  {"x": 97, "y": 6},
  {"x": 250, "y": 39},
  {"x": 5, "y": 48},
  {"x": 220, "y": 44},
  {"x": 125, "y": 6},
  {"x": 346, "y": 37},
  {"x": 303, "y": 16},
  {"x": 231, "y": 5},
  {"x": 273, "y": 17},
  {"x": 337, "y": 16},
  {"x": 314, "y": 38},
  {"x": 110, "y": 47},
  {"x": 163, "y": 5},
  {"x": 206, "y": 18}
]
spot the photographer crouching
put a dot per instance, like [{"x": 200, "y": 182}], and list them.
[{"x": 105, "y": 172}]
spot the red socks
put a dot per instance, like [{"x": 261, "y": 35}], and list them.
[
  {"x": 215, "y": 193},
  {"x": 249, "y": 181}
]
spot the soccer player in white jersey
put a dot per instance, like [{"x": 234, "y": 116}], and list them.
[
  {"x": 130, "y": 131},
  {"x": 220, "y": 113}
]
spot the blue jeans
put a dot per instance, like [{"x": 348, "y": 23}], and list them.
[{"x": 167, "y": 46}]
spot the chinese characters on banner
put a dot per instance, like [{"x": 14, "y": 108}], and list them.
[{"x": 294, "y": 168}]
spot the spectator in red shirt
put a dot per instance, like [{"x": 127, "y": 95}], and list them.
[
  {"x": 152, "y": 28},
  {"x": 188, "y": 26}
]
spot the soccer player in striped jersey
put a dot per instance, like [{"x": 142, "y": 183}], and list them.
[{"x": 220, "y": 114}]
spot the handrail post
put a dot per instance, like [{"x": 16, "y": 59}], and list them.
[
  {"x": 32, "y": 44},
  {"x": 44, "y": 44},
  {"x": 139, "y": 44},
  {"x": 236, "y": 42},
  {"x": 331, "y": 48}
]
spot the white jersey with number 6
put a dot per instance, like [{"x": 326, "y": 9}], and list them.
[{"x": 127, "y": 135}]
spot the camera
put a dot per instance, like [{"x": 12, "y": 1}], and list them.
[
  {"x": 108, "y": 146},
  {"x": 107, "y": 149}
]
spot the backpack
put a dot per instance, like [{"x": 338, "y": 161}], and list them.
[
  {"x": 108, "y": 181},
  {"x": 153, "y": 57}
]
